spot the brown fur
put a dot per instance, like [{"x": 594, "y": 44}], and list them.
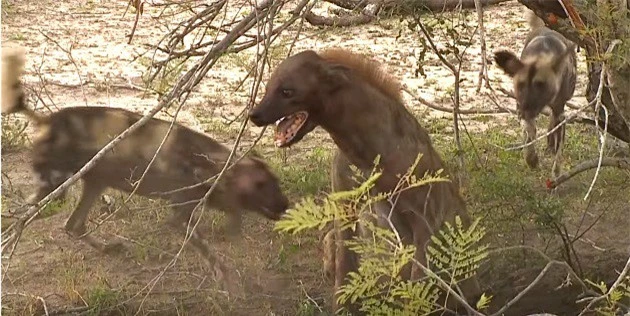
[
  {"x": 370, "y": 70},
  {"x": 545, "y": 75},
  {"x": 69, "y": 138},
  {"x": 365, "y": 116}
]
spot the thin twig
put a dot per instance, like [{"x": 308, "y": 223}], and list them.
[
  {"x": 550, "y": 262},
  {"x": 617, "y": 282},
  {"x": 69, "y": 53},
  {"x": 603, "y": 134},
  {"x": 621, "y": 163},
  {"x": 483, "y": 72},
  {"x": 447, "y": 109}
]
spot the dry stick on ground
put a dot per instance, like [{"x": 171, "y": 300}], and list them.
[
  {"x": 39, "y": 298},
  {"x": 368, "y": 14},
  {"x": 622, "y": 276},
  {"x": 139, "y": 6},
  {"x": 450, "y": 110},
  {"x": 621, "y": 163},
  {"x": 550, "y": 262}
]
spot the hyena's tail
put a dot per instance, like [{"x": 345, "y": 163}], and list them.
[{"x": 13, "y": 96}]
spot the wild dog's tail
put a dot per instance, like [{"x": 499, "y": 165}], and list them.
[
  {"x": 534, "y": 21},
  {"x": 13, "y": 96}
]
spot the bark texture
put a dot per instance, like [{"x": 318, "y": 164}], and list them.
[{"x": 368, "y": 10}]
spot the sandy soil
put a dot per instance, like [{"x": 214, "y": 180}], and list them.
[{"x": 282, "y": 274}]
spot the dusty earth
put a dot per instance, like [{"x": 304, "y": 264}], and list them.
[{"x": 78, "y": 55}]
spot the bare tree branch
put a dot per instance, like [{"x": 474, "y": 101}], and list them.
[{"x": 621, "y": 163}]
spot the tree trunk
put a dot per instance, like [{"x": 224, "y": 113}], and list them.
[
  {"x": 607, "y": 26},
  {"x": 369, "y": 9}
]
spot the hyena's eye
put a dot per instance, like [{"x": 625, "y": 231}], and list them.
[{"x": 287, "y": 93}]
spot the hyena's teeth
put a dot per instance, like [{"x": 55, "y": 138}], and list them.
[{"x": 280, "y": 120}]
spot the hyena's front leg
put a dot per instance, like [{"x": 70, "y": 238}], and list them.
[{"x": 529, "y": 134}]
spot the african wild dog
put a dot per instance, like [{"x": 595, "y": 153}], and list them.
[
  {"x": 545, "y": 75},
  {"x": 70, "y": 137}
]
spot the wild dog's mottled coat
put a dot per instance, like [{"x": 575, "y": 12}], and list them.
[
  {"x": 545, "y": 75},
  {"x": 69, "y": 138}
]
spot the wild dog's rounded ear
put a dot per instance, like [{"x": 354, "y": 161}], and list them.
[{"x": 508, "y": 62}]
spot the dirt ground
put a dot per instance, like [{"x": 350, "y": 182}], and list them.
[{"x": 281, "y": 274}]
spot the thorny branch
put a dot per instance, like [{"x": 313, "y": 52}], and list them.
[
  {"x": 261, "y": 58},
  {"x": 456, "y": 71},
  {"x": 179, "y": 93}
]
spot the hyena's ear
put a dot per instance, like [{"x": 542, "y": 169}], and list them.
[
  {"x": 334, "y": 75},
  {"x": 508, "y": 62}
]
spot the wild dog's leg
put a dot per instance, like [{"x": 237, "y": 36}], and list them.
[
  {"x": 184, "y": 220},
  {"x": 75, "y": 225},
  {"x": 555, "y": 141},
  {"x": 234, "y": 223},
  {"x": 529, "y": 134}
]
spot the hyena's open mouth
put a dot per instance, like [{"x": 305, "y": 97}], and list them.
[{"x": 288, "y": 127}]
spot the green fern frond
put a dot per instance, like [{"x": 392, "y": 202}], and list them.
[
  {"x": 456, "y": 251},
  {"x": 356, "y": 193},
  {"x": 483, "y": 302},
  {"x": 307, "y": 215}
]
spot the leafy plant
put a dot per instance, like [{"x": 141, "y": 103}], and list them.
[
  {"x": 611, "y": 305},
  {"x": 377, "y": 284},
  {"x": 13, "y": 134}
]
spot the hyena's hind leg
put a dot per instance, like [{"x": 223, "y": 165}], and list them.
[
  {"x": 529, "y": 134},
  {"x": 555, "y": 141},
  {"x": 75, "y": 225}
]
